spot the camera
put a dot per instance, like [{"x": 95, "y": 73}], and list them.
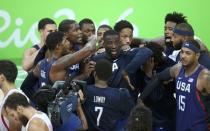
[{"x": 59, "y": 100}]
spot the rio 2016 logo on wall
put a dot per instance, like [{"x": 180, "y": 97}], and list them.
[
  {"x": 19, "y": 19},
  {"x": 31, "y": 36}
]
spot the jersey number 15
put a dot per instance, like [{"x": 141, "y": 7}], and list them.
[{"x": 181, "y": 102}]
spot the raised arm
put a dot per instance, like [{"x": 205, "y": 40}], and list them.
[
  {"x": 28, "y": 58},
  {"x": 59, "y": 68},
  {"x": 30, "y": 81},
  {"x": 82, "y": 117},
  {"x": 139, "y": 59}
]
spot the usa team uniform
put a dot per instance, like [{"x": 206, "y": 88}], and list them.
[
  {"x": 105, "y": 106},
  {"x": 191, "y": 109}
]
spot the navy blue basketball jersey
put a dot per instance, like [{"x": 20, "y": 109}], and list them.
[
  {"x": 74, "y": 69},
  {"x": 134, "y": 57},
  {"x": 105, "y": 106},
  {"x": 191, "y": 114},
  {"x": 204, "y": 59},
  {"x": 45, "y": 66}
]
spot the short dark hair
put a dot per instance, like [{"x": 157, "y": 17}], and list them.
[
  {"x": 176, "y": 18},
  {"x": 105, "y": 26},
  {"x": 103, "y": 69},
  {"x": 85, "y": 21},
  {"x": 110, "y": 32},
  {"x": 16, "y": 99},
  {"x": 43, "y": 22},
  {"x": 64, "y": 25},
  {"x": 185, "y": 27},
  {"x": 157, "y": 51},
  {"x": 9, "y": 70},
  {"x": 122, "y": 24},
  {"x": 53, "y": 39},
  {"x": 140, "y": 119}
]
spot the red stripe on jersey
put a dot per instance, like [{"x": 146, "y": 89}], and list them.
[
  {"x": 203, "y": 107},
  {"x": 2, "y": 117}
]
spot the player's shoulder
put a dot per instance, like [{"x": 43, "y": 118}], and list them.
[
  {"x": 178, "y": 66},
  {"x": 36, "y": 123},
  {"x": 204, "y": 74},
  {"x": 174, "y": 70},
  {"x": 203, "y": 81},
  {"x": 90, "y": 86},
  {"x": 93, "y": 89}
]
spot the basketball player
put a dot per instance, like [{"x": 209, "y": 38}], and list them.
[
  {"x": 8, "y": 74},
  {"x": 192, "y": 89},
  {"x": 18, "y": 107},
  {"x": 105, "y": 105}
]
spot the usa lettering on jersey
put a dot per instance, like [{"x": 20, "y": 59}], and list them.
[
  {"x": 114, "y": 67},
  {"x": 185, "y": 87},
  {"x": 74, "y": 67}
]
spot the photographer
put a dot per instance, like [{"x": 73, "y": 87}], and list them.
[
  {"x": 62, "y": 102},
  {"x": 105, "y": 106},
  {"x": 76, "y": 121}
]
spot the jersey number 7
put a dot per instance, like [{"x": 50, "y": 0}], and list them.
[{"x": 100, "y": 109}]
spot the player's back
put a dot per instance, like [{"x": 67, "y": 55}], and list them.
[{"x": 104, "y": 106}]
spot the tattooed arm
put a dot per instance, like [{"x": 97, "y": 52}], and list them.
[{"x": 59, "y": 68}]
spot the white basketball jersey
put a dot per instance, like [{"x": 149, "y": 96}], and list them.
[
  {"x": 4, "y": 123},
  {"x": 44, "y": 118}
]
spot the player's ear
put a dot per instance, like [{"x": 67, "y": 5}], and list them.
[
  {"x": 41, "y": 31},
  {"x": 2, "y": 77},
  {"x": 197, "y": 55},
  {"x": 20, "y": 109}
]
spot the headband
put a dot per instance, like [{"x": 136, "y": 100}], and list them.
[
  {"x": 181, "y": 32},
  {"x": 191, "y": 47}
]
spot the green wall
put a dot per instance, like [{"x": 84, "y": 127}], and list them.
[{"x": 18, "y": 18}]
